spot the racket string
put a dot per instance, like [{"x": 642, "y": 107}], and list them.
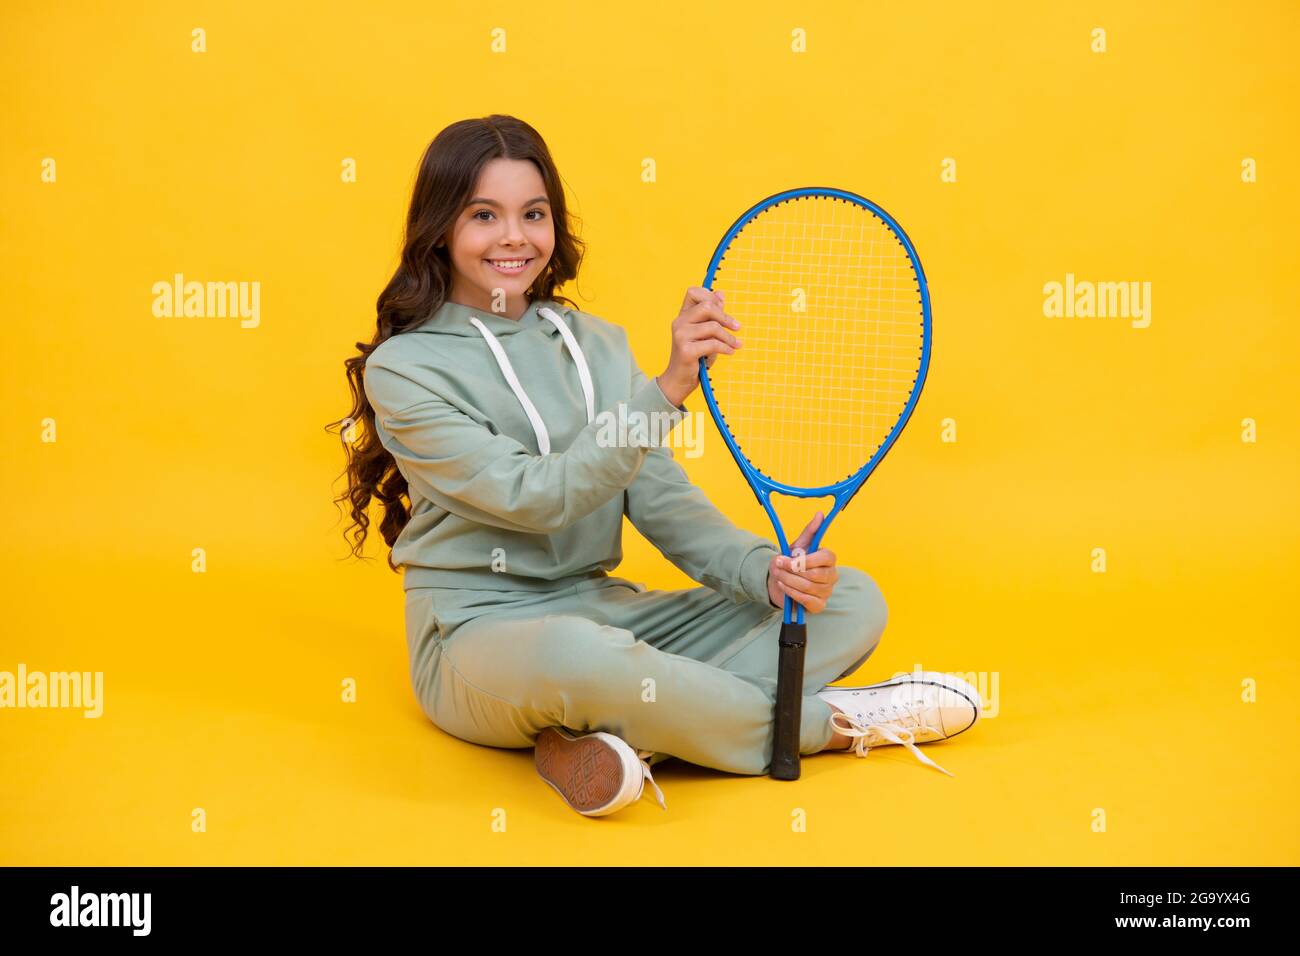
[{"x": 833, "y": 329}]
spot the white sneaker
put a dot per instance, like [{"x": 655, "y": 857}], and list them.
[
  {"x": 909, "y": 709},
  {"x": 596, "y": 773}
]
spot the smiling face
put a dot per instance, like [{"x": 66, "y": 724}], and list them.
[{"x": 507, "y": 220}]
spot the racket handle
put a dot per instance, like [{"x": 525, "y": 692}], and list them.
[{"x": 789, "y": 701}]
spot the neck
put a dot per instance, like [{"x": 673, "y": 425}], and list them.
[{"x": 516, "y": 305}]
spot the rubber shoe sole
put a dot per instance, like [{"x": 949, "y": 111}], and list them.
[{"x": 596, "y": 774}]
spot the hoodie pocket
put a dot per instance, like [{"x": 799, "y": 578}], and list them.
[
  {"x": 425, "y": 632},
  {"x": 422, "y": 620}
]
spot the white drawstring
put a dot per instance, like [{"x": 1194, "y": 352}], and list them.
[
  {"x": 584, "y": 375},
  {"x": 539, "y": 426}
]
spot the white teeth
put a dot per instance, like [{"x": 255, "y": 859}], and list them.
[{"x": 508, "y": 263}]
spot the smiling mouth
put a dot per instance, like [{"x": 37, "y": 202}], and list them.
[{"x": 509, "y": 267}]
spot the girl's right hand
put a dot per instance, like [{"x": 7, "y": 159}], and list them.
[{"x": 700, "y": 330}]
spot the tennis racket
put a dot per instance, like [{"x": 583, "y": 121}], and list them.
[{"x": 834, "y": 318}]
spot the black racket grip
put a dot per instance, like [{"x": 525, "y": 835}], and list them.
[{"x": 789, "y": 701}]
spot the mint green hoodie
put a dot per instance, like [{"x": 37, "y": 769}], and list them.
[{"x": 502, "y": 430}]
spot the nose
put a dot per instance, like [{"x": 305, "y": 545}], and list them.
[{"x": 514, "y": 235}]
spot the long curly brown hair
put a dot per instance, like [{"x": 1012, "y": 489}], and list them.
[{"x": 449, "y": 172}]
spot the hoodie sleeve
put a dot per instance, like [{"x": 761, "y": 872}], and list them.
[
  {"x": 469, "y": 470},
  {"x": 678, "y": 519}
]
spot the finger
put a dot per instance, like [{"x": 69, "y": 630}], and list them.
[
  {"x": 711, "y": 310},
  {"x": 702, "y": 347},
  {"x": 813, "y": 575},
  {"x": 701, "y": 318},
  {"x": 806, "y": 535},
  {"x": 796, "y": 560},
  {"x": 821, "y": 558},
  {"x": 710, "y": 330},
  {"x": 697, "y": 293},
  {"x": 810, "y": 602}
]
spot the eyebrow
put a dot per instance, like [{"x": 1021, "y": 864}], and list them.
[{"x": 493, "y": 202}]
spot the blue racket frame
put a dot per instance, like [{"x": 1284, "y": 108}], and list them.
[{"x": 846, "y": 489}]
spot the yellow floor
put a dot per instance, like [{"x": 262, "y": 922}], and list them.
[{"x": 1119, "y": 693}]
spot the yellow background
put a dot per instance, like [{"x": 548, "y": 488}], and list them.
[{"x": 1119, "y": 691}]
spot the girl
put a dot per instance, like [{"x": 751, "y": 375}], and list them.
[{"x": 488, "y": 400}]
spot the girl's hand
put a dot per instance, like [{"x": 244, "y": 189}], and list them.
[
  {"x": 810, "y": 587},
  {"x": 700, "y": 329}
]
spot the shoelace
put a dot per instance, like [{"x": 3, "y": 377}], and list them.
[
  {"x": 893, "y": 732},
  {"x": 659, "y": 794}
]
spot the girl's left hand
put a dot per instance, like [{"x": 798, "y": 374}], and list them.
[{"x": 810, "y": 587}]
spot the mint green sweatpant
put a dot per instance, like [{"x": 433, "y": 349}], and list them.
[{"x": 685, "y": 673}]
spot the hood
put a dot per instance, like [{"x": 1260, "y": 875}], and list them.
[
  {"x": 456, "y": 319},
  {"x": 452, "y": 318}
]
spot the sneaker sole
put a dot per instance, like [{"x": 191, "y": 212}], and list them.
[{"x": 587, "y": 772}]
